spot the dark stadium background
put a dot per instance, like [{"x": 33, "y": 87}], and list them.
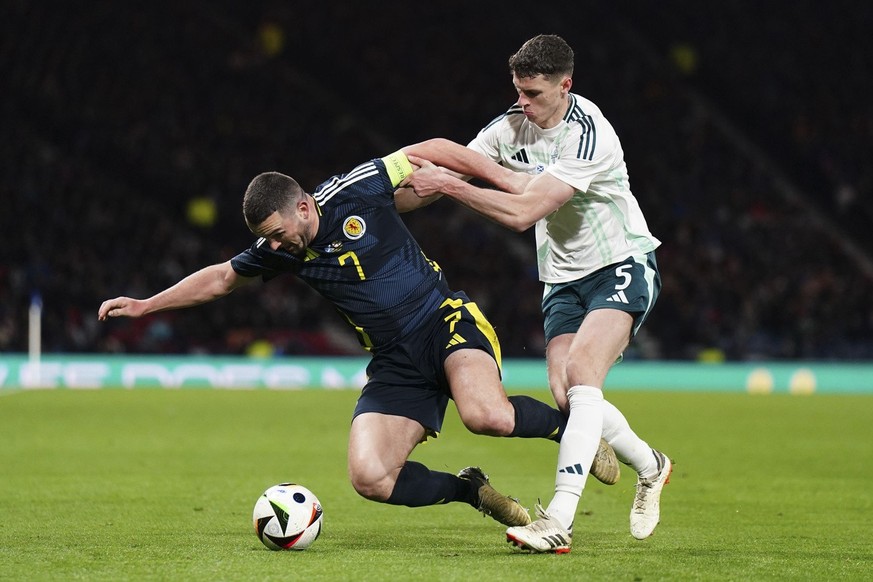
[{"x": 747, "y": 129}]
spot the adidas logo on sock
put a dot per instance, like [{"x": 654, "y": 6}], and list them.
[
  {"x": 619, "y": 297},
  {"x": 573, "y": 469}
]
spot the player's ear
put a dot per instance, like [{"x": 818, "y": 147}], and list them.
[
  {"x": 566, "y": 84},
  {"x": 303, "y": 208}
]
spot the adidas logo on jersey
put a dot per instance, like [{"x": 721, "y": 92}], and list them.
[
  {"x": 619, "y": 297},
  {"x": 521, "y": 156},
  {"x": 456, "y": 340}
]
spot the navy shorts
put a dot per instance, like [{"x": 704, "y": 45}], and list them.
[
  {"x": 632, "y": 285},
  {"x": 409, "y": 379}
]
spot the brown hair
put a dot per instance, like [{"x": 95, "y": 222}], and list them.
[
  {"x": 547, "y": 54},
  {"x": 267, "y": 193}
]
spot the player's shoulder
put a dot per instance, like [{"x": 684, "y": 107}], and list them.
[
  {"x": 358, "y": 180},
  {"x": 585, "y": 117},
  {"x": 514, "y": 116},
  {"x": 578, "y": 103},
  {"x": 582, "y": 110}
]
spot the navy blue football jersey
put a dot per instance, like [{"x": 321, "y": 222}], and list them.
[{"x": 363, "y": 258}]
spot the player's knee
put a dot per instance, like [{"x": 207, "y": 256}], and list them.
[
  {"x": 371, "y": 486},
  {"x": 490, "y": 421},
  {"x": 587, "y": 365}
]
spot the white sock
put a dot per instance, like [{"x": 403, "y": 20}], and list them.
[
  {"x": 576, "y": 452},
  {"x": 629, "y": 448}
]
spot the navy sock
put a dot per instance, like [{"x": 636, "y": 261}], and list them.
[
  {"x": 535, "y": 419},
  {"x": 418, "y": 486}
]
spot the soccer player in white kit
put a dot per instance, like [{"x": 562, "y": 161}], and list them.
[{"x": 596, "y": 258}]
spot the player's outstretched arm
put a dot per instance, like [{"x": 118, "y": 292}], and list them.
[
  {"x": 465, "y": 162},
  {"x": 543, "y": 195},
  {"x": 207, "y": 284}
]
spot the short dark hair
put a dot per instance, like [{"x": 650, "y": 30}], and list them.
[
  {"x": 547, "y": 54},
  {"x": 267, "y": 193}
]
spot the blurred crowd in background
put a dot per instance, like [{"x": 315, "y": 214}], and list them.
[{"x": 130, "y": 132}]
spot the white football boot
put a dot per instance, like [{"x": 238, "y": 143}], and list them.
[
  {"x": 646, "y": 510},
  {"x": 545, "y": 535}
]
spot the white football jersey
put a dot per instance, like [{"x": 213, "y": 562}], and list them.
[{"x": 602, "y": 223}]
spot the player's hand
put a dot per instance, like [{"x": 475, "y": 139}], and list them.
[
  {"x": 427, "y": 180},
  {"x": 418, "y": 163},
  {"x": 121, "y": 307}
]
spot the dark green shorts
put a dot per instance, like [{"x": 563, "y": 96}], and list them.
[
  {"x": 631, "y": 285},
  {"x": 409, "y": 379}
]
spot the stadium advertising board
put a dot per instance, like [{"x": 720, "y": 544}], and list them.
[{"x": 291, "y": 373}]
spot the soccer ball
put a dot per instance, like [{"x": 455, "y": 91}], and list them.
[{"x": 287, "y": 517}]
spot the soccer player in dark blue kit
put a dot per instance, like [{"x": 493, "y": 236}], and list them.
[{"x": 428, "y": 343}]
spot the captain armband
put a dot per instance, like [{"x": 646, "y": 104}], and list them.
[{"x": 398, "y": 167}]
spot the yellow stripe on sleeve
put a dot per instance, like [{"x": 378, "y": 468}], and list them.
[{"x": 398, "y": 167}]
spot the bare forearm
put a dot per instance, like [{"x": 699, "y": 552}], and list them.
[
  {"x": 205, "y": 285},
  {"x": 512, "y": 211},
  {"x": 542, "y": 196},
  {"x": 467, "y": 162},
  {"x": 406, "y": 200}
]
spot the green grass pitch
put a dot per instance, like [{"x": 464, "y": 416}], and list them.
[{"x": 160, "y": 484}]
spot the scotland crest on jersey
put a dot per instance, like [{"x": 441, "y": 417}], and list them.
[{"x": 354, "y": 227}]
